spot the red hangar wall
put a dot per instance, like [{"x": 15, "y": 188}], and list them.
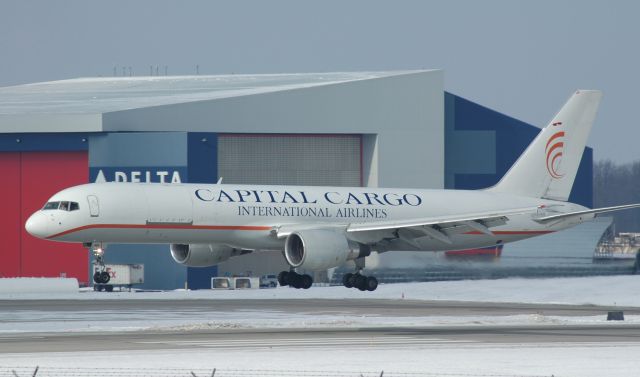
[{"x": 33, "y": 167}]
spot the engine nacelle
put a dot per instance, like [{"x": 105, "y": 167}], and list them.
[
  {"x": 318, "y": 249},
  {"x": 203, "y": 255}
]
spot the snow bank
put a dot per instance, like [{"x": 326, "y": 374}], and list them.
[
  {"x": 599, "y": 290},
  {"x": 460, "y": 359},
  {"x": 38, "y": 285}
]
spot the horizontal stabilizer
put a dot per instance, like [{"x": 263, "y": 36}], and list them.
[{"x": 585, "y": 212}]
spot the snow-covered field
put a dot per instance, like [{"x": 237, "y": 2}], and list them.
[
  {"x": 453, "y": 360},
  {"x": 189, "y": 320},
  {"x": 601, "y": 290},
  {"x": 37, "y": 286}
]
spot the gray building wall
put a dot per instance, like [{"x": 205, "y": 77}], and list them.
[{"x": 405, "y": 111}]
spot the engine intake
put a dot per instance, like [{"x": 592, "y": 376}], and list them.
[
  {"x": 318, "y": 249},
  {"x": 203, "y": 255}
]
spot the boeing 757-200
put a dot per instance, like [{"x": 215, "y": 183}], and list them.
[{"x": 318, "y": 228}]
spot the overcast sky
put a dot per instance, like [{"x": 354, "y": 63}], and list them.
[{"x": 521, "y": 58}]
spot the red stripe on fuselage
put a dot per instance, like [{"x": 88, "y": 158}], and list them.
[
  {"x": 161, "y": 226},
  {"x": 514, "y": 232},
  {"x": 240, "y": 227}
]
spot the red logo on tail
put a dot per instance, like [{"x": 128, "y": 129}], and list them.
[{"x": 554, "y": 148}]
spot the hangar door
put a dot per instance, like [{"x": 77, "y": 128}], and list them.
[
  {"x": 28, "y": 180},
  {"x": 317, "y": 160},
  {"x": 281, "y": 159}
]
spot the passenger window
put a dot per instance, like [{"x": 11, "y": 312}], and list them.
[
  {"x": 73, "y": 206},
  {"x": 51, "y": 205},
  {"x": 64, "y": 206}
]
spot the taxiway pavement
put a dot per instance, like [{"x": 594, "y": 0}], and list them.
[{"x": 256, "y": 338}]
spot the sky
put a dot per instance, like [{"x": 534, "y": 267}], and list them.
[{"x": 522, "y": 58}]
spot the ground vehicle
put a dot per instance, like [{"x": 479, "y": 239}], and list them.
[
  {"x": 120, "y": 275},
  {"x": 268, "y": 281}
]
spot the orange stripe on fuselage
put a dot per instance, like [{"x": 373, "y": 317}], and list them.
[{"x": 160, "y": 226}]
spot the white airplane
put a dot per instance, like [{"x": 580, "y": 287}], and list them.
[{"x": 319, "y": 228}]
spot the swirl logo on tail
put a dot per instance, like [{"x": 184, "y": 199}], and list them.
[{"x": 554, "y": 149}]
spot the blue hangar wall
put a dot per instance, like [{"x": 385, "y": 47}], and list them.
[
  {"x": 482, "y": 144},
  {"x": 156, "y": 157}
]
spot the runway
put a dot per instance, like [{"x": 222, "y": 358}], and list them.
[
  {"x": 68, "y": 311},
  {"x": 306, "y": 339},
  {"x": 361, "y": 306}
]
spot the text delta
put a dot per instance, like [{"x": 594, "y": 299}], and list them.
[{"x": 145, "y": 176}]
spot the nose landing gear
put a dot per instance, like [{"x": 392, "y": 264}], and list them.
[{"x": 100, "y": 275}]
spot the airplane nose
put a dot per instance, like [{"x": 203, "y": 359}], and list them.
[{"x": 37, "y": 225}]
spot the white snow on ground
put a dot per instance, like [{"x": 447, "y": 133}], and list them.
[
  {"x": 456, "y": 359},
  {"x": 601, "y": 290},
  {"x": 40, "y": 321},
  {"x": 18, "y": 286}
]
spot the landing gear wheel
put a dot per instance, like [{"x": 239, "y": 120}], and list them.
[
  {"x": 306, "y": 281},
  {"x": 372, "y": 283},
  {"x": 96, "y": 277},
  {"x": 347, "y": 280},
  {"x": 108, "y": 288},
  {"x": 104, "y": 277},
  {"x": 295, "y": 280},
  {"x": 283, "y": 278},
  {"x": 360, "y": 282}
]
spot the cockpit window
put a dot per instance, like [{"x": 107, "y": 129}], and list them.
[
  {"x": 51, "y": 205},
  {"x": 63, "y": 206}
]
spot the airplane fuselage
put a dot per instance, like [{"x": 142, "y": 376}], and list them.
[{"x": 248, "y": 216}]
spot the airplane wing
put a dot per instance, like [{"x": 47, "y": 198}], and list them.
[
  {"x": 596, "y": 211},
  {"x": 438, "y": 228},
  {"x": 435, "y": 227}
]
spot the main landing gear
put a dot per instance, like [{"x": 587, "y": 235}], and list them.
[
  {"x": 357, "y": 280},
  {"x": 295, "y": 280},
  {"x": 363, "y": 283}
]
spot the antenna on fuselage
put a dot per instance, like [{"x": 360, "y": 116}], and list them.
[{"x": 219, "y": 181}]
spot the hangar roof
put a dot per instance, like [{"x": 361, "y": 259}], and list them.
[{"x": 108, "y": 94}]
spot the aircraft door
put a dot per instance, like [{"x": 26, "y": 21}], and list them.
[{"x": 94, "y": 206}]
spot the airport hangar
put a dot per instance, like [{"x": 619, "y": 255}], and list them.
[{"x": 376, "y": 129}]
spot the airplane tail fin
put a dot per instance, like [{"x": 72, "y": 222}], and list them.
[{"x": 548, "y": 166}]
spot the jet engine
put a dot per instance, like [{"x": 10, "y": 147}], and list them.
[
  {"x": 318, "y": 249},
  {"x": 203, "y": 255}
]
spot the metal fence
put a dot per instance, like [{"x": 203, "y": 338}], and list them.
[
  {"x": 35, "y": 371},
  {"x": 452, "y": 273}
]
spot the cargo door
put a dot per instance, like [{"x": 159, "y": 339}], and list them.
[
  {"x": 168, "y": 205},
  {"x": 94, "y": 206}
]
